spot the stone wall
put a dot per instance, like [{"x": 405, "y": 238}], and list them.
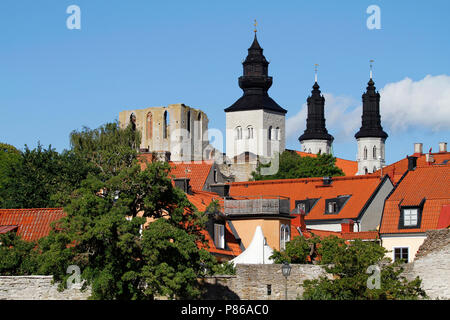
[
  {"x": 37, "y": 288},
  {"x": 432, "y": 264},
  {"x": 251, "y": 282}
]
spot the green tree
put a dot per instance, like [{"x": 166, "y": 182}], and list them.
[
  {"x": 17, "y": 256},
  {"x": 291, "y": 166},
  {"x": 39, "y": 178},
  {"x": 298, "y": 250},
  {"x": 348, "y": 264}
]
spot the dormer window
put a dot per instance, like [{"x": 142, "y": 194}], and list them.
[
  {"x": 332, "y": 207},
  {"x": 335, "y": 205},
  {"x": 305, "y": 206},
  {"x": 219, "y": 236},
  {"x": 410, "y": 217}
]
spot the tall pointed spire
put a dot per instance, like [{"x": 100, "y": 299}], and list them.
[
  {"x": 255, "y": 82},
  {"x": 315, "y": 121},
  {"x": 371, "y": 118}
]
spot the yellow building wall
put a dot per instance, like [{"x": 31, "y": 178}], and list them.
[
  {"x": 411, "y": 242},
  {"x": 270, "y": 227}
]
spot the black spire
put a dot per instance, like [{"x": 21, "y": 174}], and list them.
[
  {"x": 255, "y": 83},
  {"x": 315, "y": 122},
  {"x": 371, "y": 119}
]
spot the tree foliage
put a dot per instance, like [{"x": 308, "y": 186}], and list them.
[
  {"x": 17, "y": 256},
  {"x": 348, "y": 264},
  {"x": 292, "y": 166}
]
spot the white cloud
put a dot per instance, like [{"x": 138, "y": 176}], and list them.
[{"x": 405, "y": 105}]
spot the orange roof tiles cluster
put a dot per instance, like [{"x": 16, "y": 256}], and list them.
[
  {"x": 428, "y": 183},
  {"x": 196, "y": 171},
  {"x": 349, "y": 167},
  {"x": 359, "y": 188},
  {"x": 444, "y": 217},
  {"x": 32, "y": 224},
  {"x": 397, "y": 169}
]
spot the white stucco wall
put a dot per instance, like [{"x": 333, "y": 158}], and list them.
[
  {"x": 370, "y": 162},
  {"x": 260, "y": 121},
  {"x": 402, "y": 241},
  {"x": 313, "y": 146}
]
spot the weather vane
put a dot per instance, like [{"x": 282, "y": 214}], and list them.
[
  {"x": 371, "y": 61},
  {"x": 315, "y": 72},
  {"x": 255, "y": 24}
]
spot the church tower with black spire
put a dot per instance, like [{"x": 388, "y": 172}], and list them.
[
  {"x": 371, "y": 137},
  {"x": 255, "y": 123},
  {"x": 316, "y": 138}
]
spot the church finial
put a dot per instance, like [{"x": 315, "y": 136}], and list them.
[
  {"x": 255, "y": 24},
  {"x": 371, "y": 61},
  {"x": 315, "y": 72}
]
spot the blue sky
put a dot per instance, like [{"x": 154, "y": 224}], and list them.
[{"x": 136, "y": 54}]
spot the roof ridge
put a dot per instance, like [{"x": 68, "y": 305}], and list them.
[
  {"x": 311, "y": 179},
  {"x": 30, "y": 209}
]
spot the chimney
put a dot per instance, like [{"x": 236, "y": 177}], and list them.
[
  {"x": 221, "y": 189},
  {"x": 183, "y": 184},
  {"x": 347, "y": 225},
  {"x": 412, "y": 163},
  {"x": 327, "y": 181},
  {"x": 442, "y": 146},
  {"x": 418, "y": 148}
]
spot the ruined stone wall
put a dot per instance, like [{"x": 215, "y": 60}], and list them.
[
  {"x": 37, "y": 288},
  {"x": 251, "y": 282},
  {"x": 432, "y": 264}
]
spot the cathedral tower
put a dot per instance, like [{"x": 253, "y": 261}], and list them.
[
  {"x": 371, "y": 137},
  {"x": 316, "y": 138},
  {"x": 255, "y": 123}
]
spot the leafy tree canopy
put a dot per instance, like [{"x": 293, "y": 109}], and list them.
[{"x": 292, "y": 166}]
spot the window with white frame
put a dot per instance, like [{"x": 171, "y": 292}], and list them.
[
  {"x": 219, "y": 236},
  {"x": 238, "y": 134},
  {"x": 410, "y": 217},
  {"x": 285, "y": 236},
  {"x": 401, "y": 254}
]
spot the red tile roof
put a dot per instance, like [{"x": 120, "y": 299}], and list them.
[
  {"x": 33, "y": 224},
  {"x": 397, "y": 169},
  {"x": 444, "y": 217},
  {"x": 201, "y": 200},
  {"x": 360, "y": 188},
  {"x": 349, "y": 167},
  {"x": 429, "y": 182},
  {"x": 197, "y": 171}
]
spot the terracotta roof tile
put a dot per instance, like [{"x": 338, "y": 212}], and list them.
[
  {"x": 426, "y": 182},
  {"x": 359, "y": 188},
  {"x": 33, "y": 224},
  {"x": 444, "y": 217},
  {"x": 196, "y": 171}
]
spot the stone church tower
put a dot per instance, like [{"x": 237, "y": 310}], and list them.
[
  {"x": 255, "y": 123},
  {"x": 176, "y": 132},
  {"x": 316, "y": 138},
  {"x": 371, "y": 137}
]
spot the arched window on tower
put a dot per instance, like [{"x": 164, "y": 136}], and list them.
[
  {"x": 278, "y": 133},
  {"x": 365, "y": 153},
  {"x": 366, "y": 171},
  {"x": 269, "y": 133},
  {"x": 374, "y": 152},
  {"x": 374, "y": 169},
  {"x": 149, "y": 126},
  {"x": 188, "y": 123},
  {"x": 166, "y": 125},
  {"x": 133, "y": 121},
  {"x": 199, "y": 119},
  {"x": 249, "y": 132},
  {"x": 238, "y": 133}
]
